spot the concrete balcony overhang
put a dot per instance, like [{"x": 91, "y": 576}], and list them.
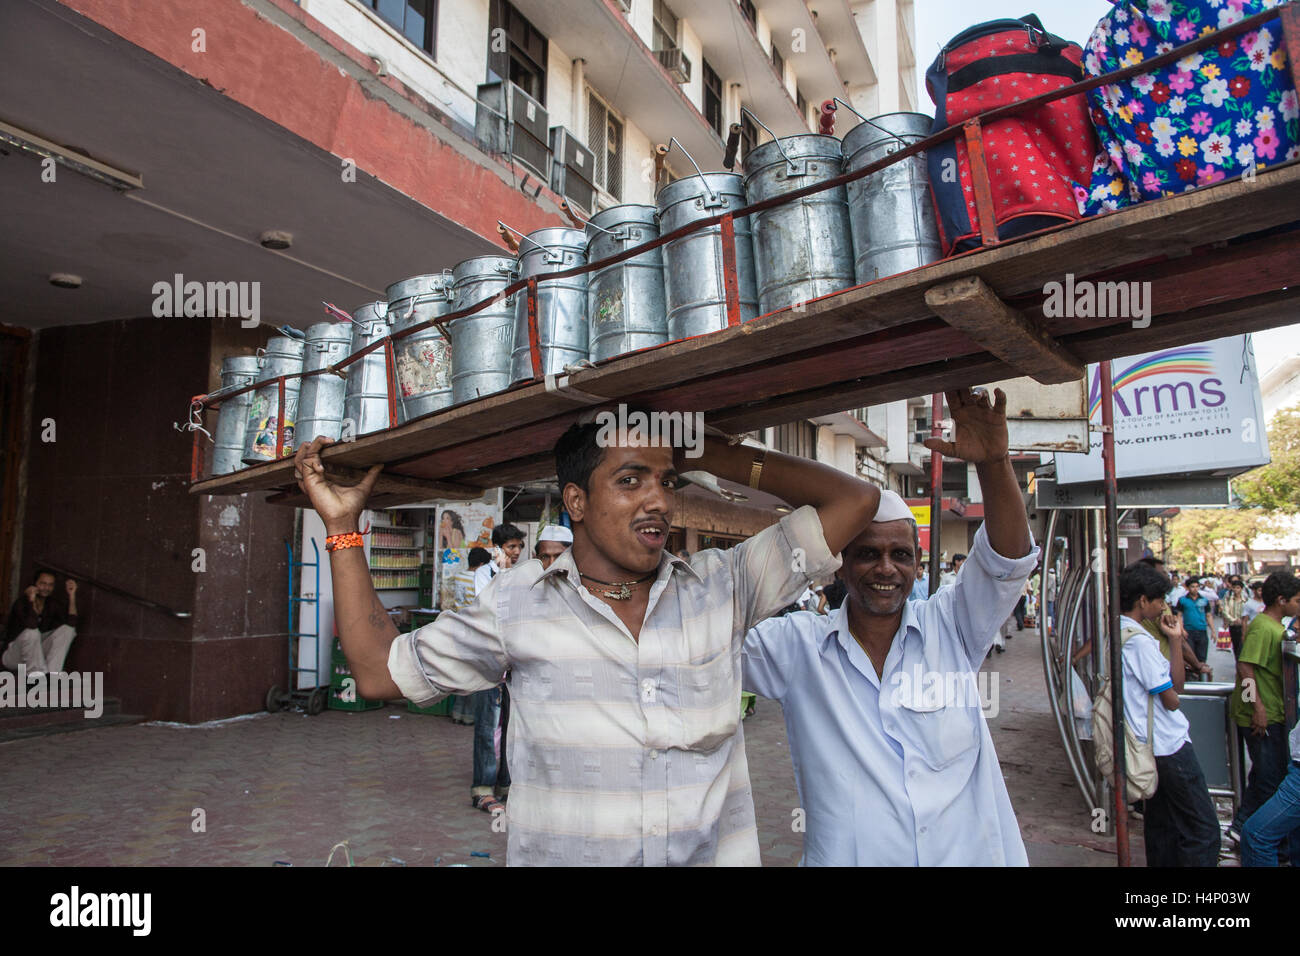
[
  {"x": 628, "y": 74},
  {"x": 737, "y": 55},
  {"x": 842, "y": 423},
  {"x": 839, "y": 31},
  {"x": 818, "y": 78},
  {"x": 248, "y": 136}
]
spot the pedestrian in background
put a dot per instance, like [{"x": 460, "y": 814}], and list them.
[
  {"x": 40, "y": 628},
  {"x": 1180, "y": 827},
  {"x": 1259, "y": 703},
  {"x": 1254, "y": 604},
  {"x": 462, "y": 596},
  {"x": 1195, "y": 608},
  {"x": 1232, "y": 605},
  {"x": 1277, "y": 820}
]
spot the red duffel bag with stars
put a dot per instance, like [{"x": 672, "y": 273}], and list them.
[{"x": 1038, "y": 161}]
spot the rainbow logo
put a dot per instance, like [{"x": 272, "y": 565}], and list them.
[{"x": 1189, "y": 360}]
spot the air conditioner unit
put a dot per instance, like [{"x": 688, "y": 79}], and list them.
[
  {"x": 510, "y": 121},
  {"x": 676, "y": 63},
  {"x": 573, "y": 169}
]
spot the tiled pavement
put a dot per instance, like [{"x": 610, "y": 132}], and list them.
[{"x": 395, "y": 785}]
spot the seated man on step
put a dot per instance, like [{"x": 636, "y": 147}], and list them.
[{"x": 41, "y": 627}]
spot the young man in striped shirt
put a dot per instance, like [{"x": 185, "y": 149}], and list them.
[{"x": 625, "y": 742}]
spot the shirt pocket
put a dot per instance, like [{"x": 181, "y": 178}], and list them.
[
  {"x": 708, "y": 701},
  {"x": 941, "y": 734}
]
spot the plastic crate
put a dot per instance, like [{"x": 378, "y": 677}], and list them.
[
  {"x": 336, "y": 653},
  {"x": 441, "y": 709},
  {"x": 337, "y": 703}
]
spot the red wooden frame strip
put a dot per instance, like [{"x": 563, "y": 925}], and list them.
[
  {"x": 979, "y": 175},
  {"x": 534, "y": 336},
  {"x": 730, "y": 279}
]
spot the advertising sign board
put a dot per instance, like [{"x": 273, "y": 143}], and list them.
[{"x": 1195, "y": 409}]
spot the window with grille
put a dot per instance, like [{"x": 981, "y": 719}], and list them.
[
  {"x": 796, "y": 438},
  {"x": 801, "y": 103},
  {"x": 417, "y": 20},
  {"x": 665, "y": 27},
  {"x": 748, "y": 136},
  {"x": 751, "y": 14},
  {"x": 778, "y": 63},
  {"x": 713, "y": 98},
  {"x": 518, "y": 52},
  {"x": 605, "y": 139}
]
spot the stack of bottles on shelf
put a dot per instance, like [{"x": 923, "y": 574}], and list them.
[{"x": 395, "y": 551}]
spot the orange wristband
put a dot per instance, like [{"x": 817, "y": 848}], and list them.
[{"x": 349, "y": 539}]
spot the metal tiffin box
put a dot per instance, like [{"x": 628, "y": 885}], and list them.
[
  {"x": 891, "y": 212},
  {"x": 424, "y": 358},
  {"x": 320, "y": 403},
  {"x": 232, "y": 417},
  {"x": 365, "y": 406},
  {"x": 694, "y": 287},
  {"x": 481, "y": 343},
  {"x": 802, "y": 248},
  {"x": 561, "y": 303},
  {"x": 281, "y": 356},
  {"x": 625, "y": 301}
]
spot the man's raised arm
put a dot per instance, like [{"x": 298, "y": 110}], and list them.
[
  {"x": 365, "y": 629},
  {"x": 845, "y": 504},
  {"x": 981, "y": 439}
]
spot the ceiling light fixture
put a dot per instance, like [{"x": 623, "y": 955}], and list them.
[
  {"x": 276, "y": 239},
  {"x": 77, "y": 162}
]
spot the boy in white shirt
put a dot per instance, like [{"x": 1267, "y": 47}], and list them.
[{"x": 1180, "y": 825}]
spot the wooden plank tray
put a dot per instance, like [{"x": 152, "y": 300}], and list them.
[{"x": 1220, "y": 260}]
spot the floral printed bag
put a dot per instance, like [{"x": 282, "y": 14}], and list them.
[{"x": 1209, "y": 116}]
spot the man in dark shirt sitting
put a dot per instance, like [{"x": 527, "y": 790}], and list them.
[{"x": 40, "y": 628}]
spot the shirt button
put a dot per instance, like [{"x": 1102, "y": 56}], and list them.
[
  {"x": 654, "y": 831},
  {"x": 654, "y": 755},
  {"x": 923, "y": 831},
  {"x": 648, "y": 687},
  {"x": 912, "y": 774}
]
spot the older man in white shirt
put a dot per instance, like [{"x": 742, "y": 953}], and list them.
[{"x": 894, "y": 762}]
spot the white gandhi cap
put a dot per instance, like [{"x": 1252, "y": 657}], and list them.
[
  {"x": 893, "y": 508},
  {"x": 555, "y": 532}
]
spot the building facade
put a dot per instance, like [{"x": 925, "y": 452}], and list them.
[{"x": 318, "y": 151}]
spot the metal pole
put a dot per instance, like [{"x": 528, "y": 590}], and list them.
[
  {"x": 936, "y": 487},
  {"x": 1112, "y": 618}
]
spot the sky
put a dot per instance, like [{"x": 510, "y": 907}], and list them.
[{"x": 938, "y": 21}]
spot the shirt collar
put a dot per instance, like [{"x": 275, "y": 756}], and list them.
[
  {"x": 1125, "y": 620},
  {"x": 837, "y": 624}
]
